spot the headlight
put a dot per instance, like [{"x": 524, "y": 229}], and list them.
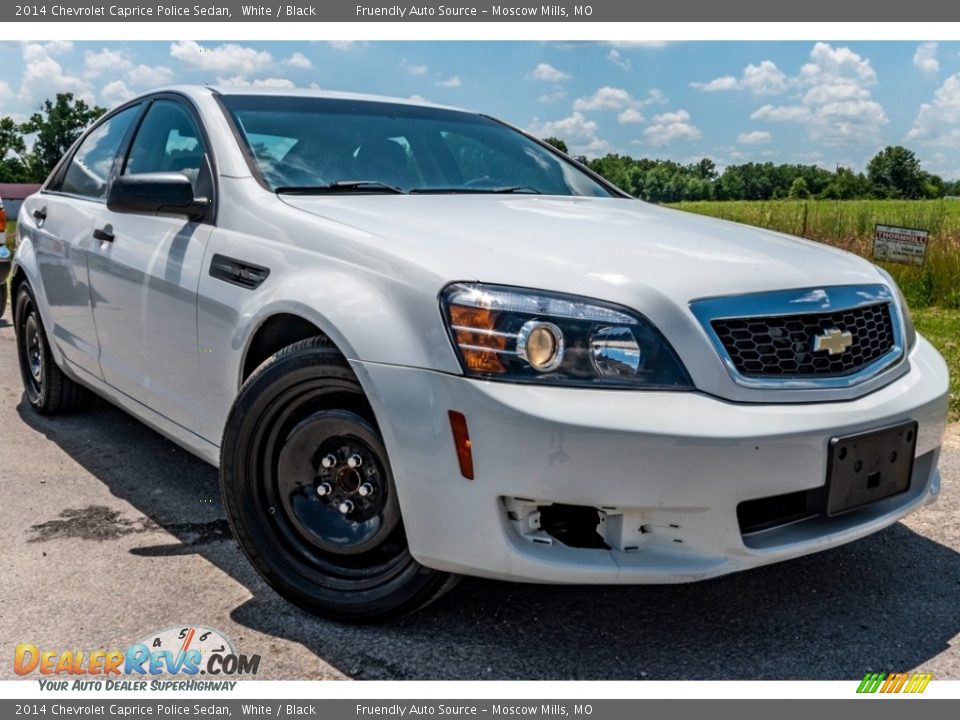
[
  {"x": 909, "y": 331},
  {"x": 513, "y": 334}
]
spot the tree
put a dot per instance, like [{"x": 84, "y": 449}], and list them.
[
  {"x": 13, "y": 153},
  {"x": 846, "y": 185},
  {"x": 799, "y": 189},
  {"x": 56, "y": 127},
  {"x": 895, "y": 173},
  {"x": 706, "y": 169},
  {"x": 557, "y": 143}
]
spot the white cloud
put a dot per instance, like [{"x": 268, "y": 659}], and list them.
[
  {"x": 298, "y": 60},
  {"x": 836, "y": 106},
  {"x": 450, "y": 82},
  {"x": 763, "y": 79},
  {"x": 44, "y": 75},
  {"x": 612, "y": 98},
  {"x": 6, "y": 94},
  {"x": 606, "y": 98},
  {"x": 58, "y": 47},
  {"x": 555, "y": 95},
  {"x": 344, "y": 45},
  {"x": 412, "y": 68},
  {"x": 618, "y": 59},
  {"x": 419, "y": 98},
  {"x": 671, "y": 126},
  {"x": 274, "y": 82},
  {"x": 727, "y": 82},
  {"x": 548, "y": 73},
  {"x": 831, "y": 63},
  {"x": 925, "y": 58},
  {"x": 938, "y": 122},
  {"x": 116, "y": 92},
  {"x": 97, "y": 63},
  {"x": 946, "y": 165},
  {"x": 229, "y": 58},
  {"x": 150, "y": 76},
  {"x": 655, "y": 97},
  {"x": 630, "y": 115},
  {"x": 782, "y": 113},
  {"x": 757, "y": 137},
  {"x": 577, "y": 131},
  {"x": 240, "y": 81}
]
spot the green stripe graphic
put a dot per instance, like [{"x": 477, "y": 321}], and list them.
[{"x": 871, "y": 682}]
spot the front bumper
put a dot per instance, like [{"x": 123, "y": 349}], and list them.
[{"x": 668, "y": 468}]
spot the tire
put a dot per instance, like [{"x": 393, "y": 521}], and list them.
[
  {"x": 3, "y": 297},
  {"x": 47, "y": 389},
  {"x": 289, "y": 460}
]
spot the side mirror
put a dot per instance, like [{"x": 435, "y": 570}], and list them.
[{"x": 152, "y": 193}]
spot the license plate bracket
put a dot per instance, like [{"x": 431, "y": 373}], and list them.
[{"x": 869, "y": 466}]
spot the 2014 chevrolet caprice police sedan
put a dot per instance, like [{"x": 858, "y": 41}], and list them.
[{"x": 421, "y": 343}]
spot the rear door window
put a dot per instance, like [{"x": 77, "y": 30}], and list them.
[{"x": 89, "y": 169}]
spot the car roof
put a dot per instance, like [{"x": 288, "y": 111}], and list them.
[{"x": 195, "y": 90}]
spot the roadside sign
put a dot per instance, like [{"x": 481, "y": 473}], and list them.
[{"x": 907, "y": 246}]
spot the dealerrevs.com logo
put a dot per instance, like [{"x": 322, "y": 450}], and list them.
[{"x": 189, "y": 650}]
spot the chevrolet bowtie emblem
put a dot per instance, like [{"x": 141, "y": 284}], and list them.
[{"x": 833, "y": 341}]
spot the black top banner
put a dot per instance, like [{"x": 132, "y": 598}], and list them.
[{"x": 477, "y": 11}]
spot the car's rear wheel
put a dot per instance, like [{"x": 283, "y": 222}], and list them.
[
  {"x": 48, "y": 390},
  {"x": 310, "y": 495}
]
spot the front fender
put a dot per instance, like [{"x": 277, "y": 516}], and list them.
[{"x": 370, "y": 317}]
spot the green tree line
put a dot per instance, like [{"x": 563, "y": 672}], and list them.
[{"x": 893, "y": 173}]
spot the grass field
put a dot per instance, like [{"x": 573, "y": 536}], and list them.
[
  {"x": 942, "y": 329},
  {"x": 849, "y": 224},
  {"x": 940, "y": 326}
]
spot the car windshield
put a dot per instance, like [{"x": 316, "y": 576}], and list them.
[{"x": 325, "y": 145}]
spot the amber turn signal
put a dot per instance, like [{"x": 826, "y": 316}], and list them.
[{"x": 461, "y": 441}]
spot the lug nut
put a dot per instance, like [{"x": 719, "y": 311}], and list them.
[
  {"x": 346, "y": 507},
  {"x": 365, "y": 490},
  {"x": 355, "y": 461},
  {"x": 329, "y": 461},
  {"x": 324, "y": 489}
]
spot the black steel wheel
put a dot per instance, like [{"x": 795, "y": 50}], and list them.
[{"x": 310, "y": 495}]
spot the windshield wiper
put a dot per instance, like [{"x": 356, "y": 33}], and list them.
[
  {"x": 468, "y": 190},
  {"x": 341, "y": 186}
]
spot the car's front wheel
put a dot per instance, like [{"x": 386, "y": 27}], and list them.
[{"x": 310, "y": 495}]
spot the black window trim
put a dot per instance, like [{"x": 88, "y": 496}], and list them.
[
  {"x": 123, "y": 157},
  {"x": 120, "y": 159},
  {"x": 60, "y": 170}
]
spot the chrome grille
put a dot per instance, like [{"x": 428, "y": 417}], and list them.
[{"x": 783, "y": 345}]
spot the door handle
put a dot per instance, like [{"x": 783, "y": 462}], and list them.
[
  {"x": 40, "y": 215},
  {"x": 104, "y": 234}
]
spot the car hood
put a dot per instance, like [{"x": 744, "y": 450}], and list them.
[{"x": 616, "y": 249}]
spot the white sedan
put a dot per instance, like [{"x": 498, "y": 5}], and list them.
[{"x": 420, "y": 343}]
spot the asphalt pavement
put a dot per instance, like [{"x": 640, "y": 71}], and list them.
[{"x": 108, "y": 532}]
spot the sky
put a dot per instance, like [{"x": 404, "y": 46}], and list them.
[{"x": 824, "y": 103}]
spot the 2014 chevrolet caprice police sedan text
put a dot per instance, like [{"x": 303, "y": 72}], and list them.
[{"x": 420, "y": 343}]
